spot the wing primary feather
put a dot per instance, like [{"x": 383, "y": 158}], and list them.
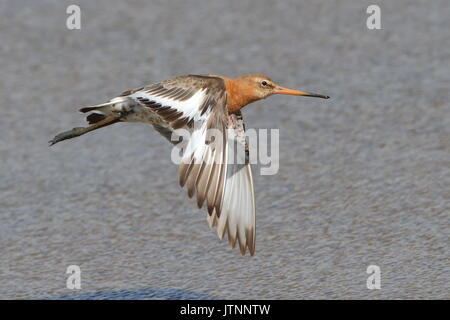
[
  {"x": 210, "y": 195},
  {"x": 200, "y": 199},
  {"x": 184, "y": 169}
]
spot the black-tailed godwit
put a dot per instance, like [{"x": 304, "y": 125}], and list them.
[{"x": 199, "y": 103}]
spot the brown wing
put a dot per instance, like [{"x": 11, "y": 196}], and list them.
[
  {"x": 223, "y": 179},
  {"x": 238, "y": 214}
]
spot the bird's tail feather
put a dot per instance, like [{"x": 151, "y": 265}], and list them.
[
  {"x": 100, "y": 117},
  {"x": 99, "y": 107}
]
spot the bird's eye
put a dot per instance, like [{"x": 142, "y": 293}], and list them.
[{"x": 264, "y": 83}]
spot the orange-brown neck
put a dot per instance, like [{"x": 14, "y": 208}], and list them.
[{"x": 239, "y": 94}]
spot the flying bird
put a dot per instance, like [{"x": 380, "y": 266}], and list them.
[{"x": 198, "y": 103}]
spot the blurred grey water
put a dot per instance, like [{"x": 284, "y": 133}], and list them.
[{"x": 364, "y": 177}]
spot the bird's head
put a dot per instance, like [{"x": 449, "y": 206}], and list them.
[{"x": 253, "y": 87}]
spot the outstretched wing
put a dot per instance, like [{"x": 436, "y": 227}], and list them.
[
  {"x": 209, "y": 168},
  {"x": 238, "y": 214}
]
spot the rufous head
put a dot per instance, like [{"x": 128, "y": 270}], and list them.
[
  {"x": 253, "y": 87},
  {"x": 262, "y": 87}
]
